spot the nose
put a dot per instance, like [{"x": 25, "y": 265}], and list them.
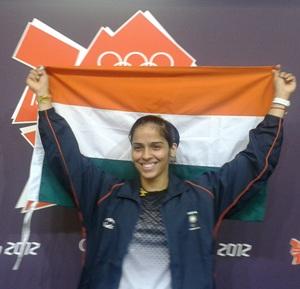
[{"x": 146, "y": 153}]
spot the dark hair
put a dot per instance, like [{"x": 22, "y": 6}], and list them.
[{"x": 167, "y": 129}]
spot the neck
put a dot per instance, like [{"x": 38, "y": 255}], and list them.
[{"x": 155, "y": 185}]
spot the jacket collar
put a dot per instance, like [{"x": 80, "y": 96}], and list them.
[
  {"x": 175, "y": 187},
  {"x": 131, "y": 190}
]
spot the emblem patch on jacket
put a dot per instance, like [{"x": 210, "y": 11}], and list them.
[{"x": 193, "y": 220}]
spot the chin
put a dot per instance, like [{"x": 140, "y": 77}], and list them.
[{"x": 148, "y": 176}]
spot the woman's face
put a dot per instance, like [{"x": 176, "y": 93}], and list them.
[{"x": 151, "y": 153}]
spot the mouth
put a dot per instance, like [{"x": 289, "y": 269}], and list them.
[{"x": 148, "y": 166}]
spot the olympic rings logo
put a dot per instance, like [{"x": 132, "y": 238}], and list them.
[{"x": 127, "y": 60}]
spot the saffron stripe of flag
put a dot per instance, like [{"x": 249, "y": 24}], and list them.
[{"x": 181, "y": 90}]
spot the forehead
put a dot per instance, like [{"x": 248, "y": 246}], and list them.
[{"x": 148, "y": 131}]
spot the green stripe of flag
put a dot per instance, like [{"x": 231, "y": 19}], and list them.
[{"x": 52, "y": 191}]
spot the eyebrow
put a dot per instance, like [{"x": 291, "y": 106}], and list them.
[{"x": 153, "y": 143}]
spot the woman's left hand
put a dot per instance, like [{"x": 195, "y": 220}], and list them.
[{"x": 284, "y": 82}]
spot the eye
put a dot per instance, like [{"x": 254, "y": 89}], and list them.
[
  {"x": 136, "y": 147},
  {"x": 156, "y": 147}
]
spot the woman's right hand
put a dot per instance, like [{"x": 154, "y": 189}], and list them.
[{"x": 37, "y": 80}]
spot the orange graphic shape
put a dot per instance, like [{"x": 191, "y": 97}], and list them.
[
  {"x": 140, "y": 42},
  {"x": 32, "y": 205},
  {"x": 39, "y": 47},
  {"x": 295, "y": 251},
  {"x": 30, "y": 137},
  {"x": 26, "y": 111}
]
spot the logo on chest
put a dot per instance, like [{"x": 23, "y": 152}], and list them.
[
  {"x": 193, "y": 220},
  {"x": 109, "y": 223}
]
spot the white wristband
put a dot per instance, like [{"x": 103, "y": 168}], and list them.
[{"x": 281, "y": 101}]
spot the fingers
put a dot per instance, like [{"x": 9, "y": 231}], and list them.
[
  {"x": 276, "y": 70},
  {"x": 277, "y": 67},
  {"x": 288, "y": 77},
  {"x": 36, "y": 74},
  {"x": 40, "y": 70},
  {"x": 32, "y": 77}
]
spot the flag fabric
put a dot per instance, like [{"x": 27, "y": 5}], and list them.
[{"x": 212, "y": 107}]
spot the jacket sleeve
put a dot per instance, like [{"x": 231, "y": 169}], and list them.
[
  {"x": 78, "y": 175},
  {"x": 236, "y": 181}
]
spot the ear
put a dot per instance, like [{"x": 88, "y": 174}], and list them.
[{"x": 173, "y": 150}]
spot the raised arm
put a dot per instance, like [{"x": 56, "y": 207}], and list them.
[
  {"x": 83, "y": 180},
  {"x": 238, "y": 180}
]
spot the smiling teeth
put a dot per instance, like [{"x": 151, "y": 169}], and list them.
[{"x": 148, "y": 166}]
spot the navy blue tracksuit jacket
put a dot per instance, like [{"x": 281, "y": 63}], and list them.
[{"x": 101, "y": 197}]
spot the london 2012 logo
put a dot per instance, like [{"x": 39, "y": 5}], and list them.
[{"x": 155, "y": 47}]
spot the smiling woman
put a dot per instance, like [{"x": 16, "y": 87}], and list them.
[
  {"x": 154, "y": 143},
  {"x": 161, "y": 238}
]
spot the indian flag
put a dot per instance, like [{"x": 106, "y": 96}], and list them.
[{"x": 213, "y": 108}]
